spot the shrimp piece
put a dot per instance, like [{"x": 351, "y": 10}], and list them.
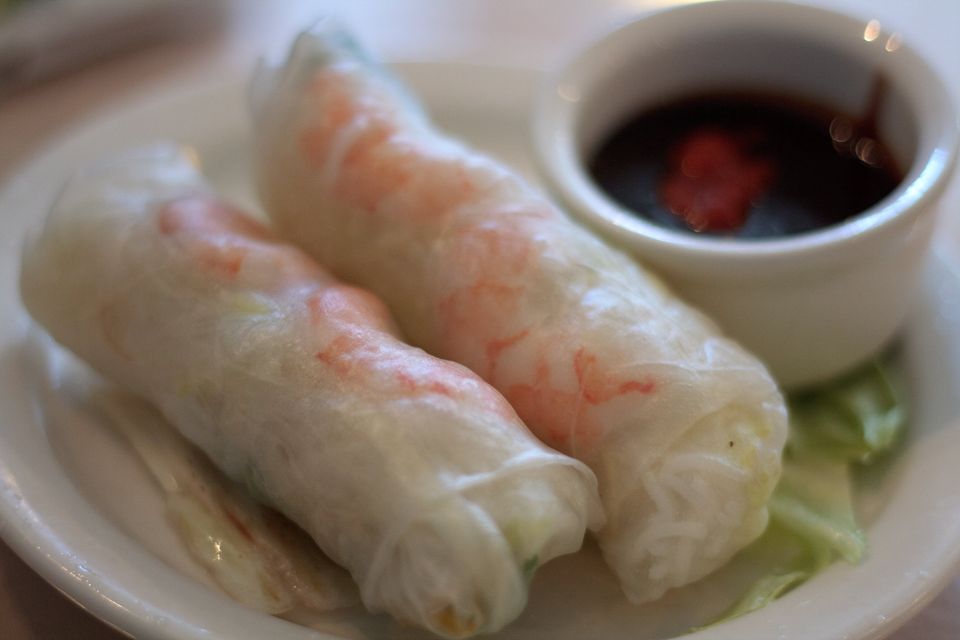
[
  {"x": 596, "y": 356},
  {"x": 410, "y": 471}
]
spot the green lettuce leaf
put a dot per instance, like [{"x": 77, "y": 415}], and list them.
[
  {"x": 854, "y": 418},
  {"x": 849, "y": 421},
  {"x": 814, "y": 500}
]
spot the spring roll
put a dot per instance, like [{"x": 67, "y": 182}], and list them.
[
  {"x": 683, "y": 428},
  {"x": 408, "y": 470}
]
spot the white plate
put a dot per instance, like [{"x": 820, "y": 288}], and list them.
[{"x": 77, "y": 506}]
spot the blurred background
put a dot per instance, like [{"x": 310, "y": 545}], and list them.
[{"x": 99, "y": 52}]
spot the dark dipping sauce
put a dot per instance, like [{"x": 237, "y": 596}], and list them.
[{"x": 748, "y": 165}]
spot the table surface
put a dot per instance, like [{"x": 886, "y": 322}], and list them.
[{"x": 399, "y": 29}]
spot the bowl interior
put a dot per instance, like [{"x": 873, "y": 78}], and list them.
[
  {"x": 795, "y": 65},
  {"x": 809, "y": 54}
]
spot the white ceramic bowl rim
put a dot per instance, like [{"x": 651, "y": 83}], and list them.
[{"x": 922, "y": 184}]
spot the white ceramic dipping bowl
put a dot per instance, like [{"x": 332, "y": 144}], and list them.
[{"x": 810, "y": 305}]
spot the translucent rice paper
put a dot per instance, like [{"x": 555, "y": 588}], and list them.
[
  {"x": 408, "y": 470},
  {"x": 254, "y": 554},
  {"x": 683, "y": 428}
]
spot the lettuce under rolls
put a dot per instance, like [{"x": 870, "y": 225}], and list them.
[
  {"x": 683, "y": 428},
  {"x": 408, "y": 470},
  {"x": 836, "y": 429}
]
